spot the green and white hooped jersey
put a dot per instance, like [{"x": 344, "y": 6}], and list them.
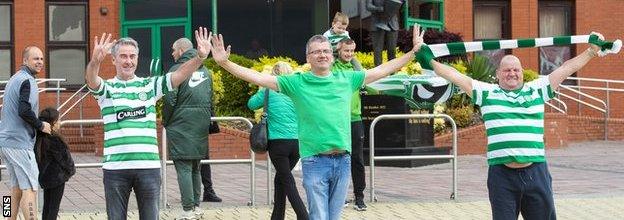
[
  {"x": 129, "y": 114},
  {"x": 335, "y": 38},
  {"x": 514, "y": 120}
]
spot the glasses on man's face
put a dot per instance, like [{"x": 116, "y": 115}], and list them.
[{"x": 319, "y": 52}]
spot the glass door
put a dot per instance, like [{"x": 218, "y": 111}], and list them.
[{"x": 155, "y": 25}]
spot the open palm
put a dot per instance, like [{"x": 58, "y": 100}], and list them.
[
  {"x": 102, "y": 47},
  {"x": 202, "y": 36},
  {"x": 417, "y": 39},
  {"x": 219, "y": 52}
]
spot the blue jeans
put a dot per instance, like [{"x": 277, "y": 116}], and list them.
[
  {"x": 326, "y": 181},
  {"x": 117, "y": 187},
  {"x": 526, "y": 191}
]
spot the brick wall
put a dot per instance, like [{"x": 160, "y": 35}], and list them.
[
  {"x": 559, "y": 131},
  {"x": 525, "y": 24}
]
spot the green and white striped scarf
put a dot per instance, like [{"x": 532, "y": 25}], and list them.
[{"x": 429, "y": 52}]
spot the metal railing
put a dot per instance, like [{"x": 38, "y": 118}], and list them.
[
  {"x": 373, "y": 158},
  {"x": 604, "y": 110},
  {"x": 251, "y": 161},
  {"x": 563, "y": 109},
  {"x": 164, "y": 162},
  {"x": 58, "y": 88}
]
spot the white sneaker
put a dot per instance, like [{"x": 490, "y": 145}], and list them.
[
  {"x": 198, "y": 212},
  {"x": 187, "y": 215}
]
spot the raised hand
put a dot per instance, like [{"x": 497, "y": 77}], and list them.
[
  {"x": 417, "y": 39},
  {"x": 219, "y": 52},
  {"x": 202, "y": 36},
  {"x": 102, "y": 47},
  {"x": 594, "y": 47}
]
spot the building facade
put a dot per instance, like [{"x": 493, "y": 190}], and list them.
[{"x": 65, "y": 29}]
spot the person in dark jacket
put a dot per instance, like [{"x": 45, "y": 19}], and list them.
[
  {"x": 384, "y": 27},
  {"x": 55, "y": 164},
  {"x": 184, "y": 114},
  {"x": 283, "y": 145}
]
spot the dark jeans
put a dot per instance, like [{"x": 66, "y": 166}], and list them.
[
  {"x": 526, "y": 190},
  {"x": 52, "y": 201},
  {"x": 117, "y": 187},
  {"x": 284, "y": 154},
  {"x": 357, "y": 159},
  {"x": 384, "y": 40}
]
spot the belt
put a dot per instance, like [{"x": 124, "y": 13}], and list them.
[{"x": 336, "y": 153}]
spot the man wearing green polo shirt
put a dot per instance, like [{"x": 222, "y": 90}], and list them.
[
  {"x": 322, "y": 100},
  {"x": 513, "y": 112}
]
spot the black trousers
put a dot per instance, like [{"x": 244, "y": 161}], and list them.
[
  {"x": 284, "y": 154},
  {"x": 52, "y": 201},
  {"x": 358, "y": 176},
  {"x": 384, "y": 40},
  {"x": 206, "y": 176}
]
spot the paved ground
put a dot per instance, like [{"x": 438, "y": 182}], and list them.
[{"x": 587, "y": 178}]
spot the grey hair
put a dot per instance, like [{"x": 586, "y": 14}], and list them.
[
  {"x": 183, "y": 43},
  {"x": 315, "y": 39},
  {"x": 124, "y": 41}
]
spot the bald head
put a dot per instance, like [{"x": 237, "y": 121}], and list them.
[
  {"x": 180, "y": 46},
  {"x": 509, "y": 73},
  {"x": 510, "y": 59},
  {"x": 32, "y": 57}
]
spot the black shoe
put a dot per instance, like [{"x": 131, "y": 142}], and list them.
[
  {"x": 359, "y": 204},
  {"x": 211, "y": 196}
]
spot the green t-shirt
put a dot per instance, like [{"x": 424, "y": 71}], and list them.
[
  {"x": 322, "y": 106},
  {"x": 356, "y": 100}
]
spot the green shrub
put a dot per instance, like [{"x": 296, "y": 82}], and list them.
[
  {"x": 462, "y": 115},
  {"x": 529, "y": 75},
  {"x": 233, "y": 100}
]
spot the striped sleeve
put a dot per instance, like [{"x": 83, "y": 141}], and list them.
[
  {"x": 542, "y": 85},
  {"x": 162, "y": 85},
  {"x": 100, "y": 91},
  {"x": 479, "y": 91}
]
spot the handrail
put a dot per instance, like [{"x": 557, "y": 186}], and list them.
[
  {"x": 73, "y": 105},
  {"x": 583, "y": 102},
  {"x": 251, "y": 161},
  {"x": 559, "y": 102},
  {"x": 555, "y": 107},
  {"x": 452, "y": 157},
  {"x": 605, "y": 111},
  {"x": 71, "y": 97},
  {"x": 596, "y": 88},
  {"x": 596, "y": 79}
]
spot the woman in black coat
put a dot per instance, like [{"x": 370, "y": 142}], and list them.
[{"x": 56, "y": 165}]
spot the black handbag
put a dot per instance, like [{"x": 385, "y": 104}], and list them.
[{"x": 258, "y": 138}]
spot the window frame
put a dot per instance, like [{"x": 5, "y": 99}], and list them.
[
  {"x": 506, "y": 22},
  {"x": 425, "y": 23},
  {"x": 53, "y": 45},
  {"x": 572, "y": 24},
  {"x": 9, "y": 45}
]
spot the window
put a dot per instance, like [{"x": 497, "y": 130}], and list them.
[
  {"x": 6, "y": 40},
  {"x": 427, "y": 13},
  {"x": 491, "y": 21},
  {"x": 67, "y": 41},
  {"x": 555, "y": 19}
]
